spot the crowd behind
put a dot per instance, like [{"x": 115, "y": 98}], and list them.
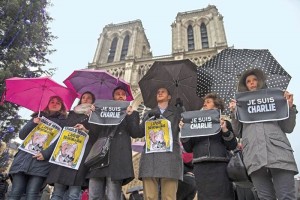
[{"x": 195, "y": 166}]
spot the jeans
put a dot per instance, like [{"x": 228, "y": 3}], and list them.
[
  {"x": 99, "y": 186},
  {"x": 26, "y": 184},
  {"x": 73, "y": 192}
]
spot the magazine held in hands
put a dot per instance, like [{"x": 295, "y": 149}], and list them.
[
  {"x": 70, "y": 148},
  {"x": 41, "y": 137}
]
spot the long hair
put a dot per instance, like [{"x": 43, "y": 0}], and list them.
[
  {"x": 62, "y": 111},
  {"x": 87, "y": 92},
  {"x": 219, "y": 103}
]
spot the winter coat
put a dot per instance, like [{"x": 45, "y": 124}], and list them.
[
  {"x": 265, "y": 144},
  {"x": 67, "y": 176},
  {"x": 211, "y": 148},
  {"x": 163, "y": 164},
  {"x": 120, "y": 166},
  {"x": 210, "y": 162},
  {"x": 23, "y": 161}
]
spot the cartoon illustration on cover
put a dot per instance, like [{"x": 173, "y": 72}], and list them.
[
  {"x": 69, "y": 148},
  {"x": 67, "y": 153},
  {"x": 157, "y": 140},
  {"x": 37, "y": 142},
  {"x": 41, "y": 137},
  {"x": 158, "y": 136}
]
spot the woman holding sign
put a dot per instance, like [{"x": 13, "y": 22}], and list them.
[
  {"x": 67, "y": 179},
  {"x": 29, "y": 172},
  {"x": 267, "y": 153},
  {"x": 210, "y": 156}
]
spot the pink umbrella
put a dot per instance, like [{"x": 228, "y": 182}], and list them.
[
  {"x": 99, "y": 82},
  {"x": 138, "y": 146},
  {"x": 34, "y": 93}
]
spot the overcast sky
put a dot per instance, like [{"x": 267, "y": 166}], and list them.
[{"x": 251, "y": 24}]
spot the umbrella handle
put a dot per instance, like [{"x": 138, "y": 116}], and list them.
[
  {"x": 41, "y": 105},
  {"x": 40, "y": 109}
]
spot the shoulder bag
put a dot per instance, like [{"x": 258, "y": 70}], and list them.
[
  {"x": 99, "y": 151},
  {"x": 236, "y": 169}
]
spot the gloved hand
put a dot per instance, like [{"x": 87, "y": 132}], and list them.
[{"x": 155, "y": 114}]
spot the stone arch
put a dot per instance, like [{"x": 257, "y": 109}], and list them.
[
  {"x": 112, "y": 49},
  {"x": 111, "y": 36},
  {"x": 126, "y": 38},
  {"x": 125, "y": 33},
  {"x": 203, "y": 19},
  {"x": 189, "y": 22}
]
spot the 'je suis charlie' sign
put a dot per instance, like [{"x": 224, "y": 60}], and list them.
[
  {"x": 261, "y": 105},
  {"x": 200, "y": 123},
  {"x": 109, "y": 112}
]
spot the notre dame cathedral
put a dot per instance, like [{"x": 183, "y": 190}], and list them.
[{"x": 124, "y": 50}]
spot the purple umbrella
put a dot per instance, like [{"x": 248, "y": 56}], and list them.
[
  {"x": 138, "y": 146},
  {"x": 99, "y": 82}
]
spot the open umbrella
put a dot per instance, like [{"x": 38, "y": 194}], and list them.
[
  {"x": 221, "y": 73},
  {"x": 179, "y": 77},
  {"x": 34, "y": 93},
  {"x": 99, "y": 82}
]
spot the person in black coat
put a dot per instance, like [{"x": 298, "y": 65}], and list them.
[
  {"x": 210, "y": 157},
  {"x": 67, "y": 179},
  {"x": 29, "y": 172},
  {"x": 107, "y": 181}
]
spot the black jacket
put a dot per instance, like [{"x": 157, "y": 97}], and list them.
[
  {"x": 67, "y": 176},
  {"x": 120, "y": 166},
  {"x": 211, "y": 148}
]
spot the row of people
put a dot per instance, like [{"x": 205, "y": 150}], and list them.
[{"x": 161, "y": 171}]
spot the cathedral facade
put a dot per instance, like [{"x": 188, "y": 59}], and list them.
[{"x": 124, "y": 51}]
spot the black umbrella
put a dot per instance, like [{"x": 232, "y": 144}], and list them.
[
  {"x": 221, "y": 73},
  {"x": 179, "y": 77}
]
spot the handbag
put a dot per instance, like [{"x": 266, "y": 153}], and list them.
[
  {"x": 236, "y": 169},
  {"x": 99, "y": 152}
]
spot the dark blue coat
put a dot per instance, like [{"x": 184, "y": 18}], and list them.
[{"x": 23, "y": 161}]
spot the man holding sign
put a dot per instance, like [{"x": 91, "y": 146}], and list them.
[
  {"x": 267, "y": 153},
  {"x": 161, "y": 162},
  {"x": 210, "y": 151},
  {"x": 108, "y": 180}
]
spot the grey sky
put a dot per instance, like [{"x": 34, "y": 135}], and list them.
[{"x": 253, "y": 24}]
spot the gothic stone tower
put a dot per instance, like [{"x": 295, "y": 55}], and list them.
[
  {"x": 198, "y": 32},
  {"x": 124, "y": 51}
]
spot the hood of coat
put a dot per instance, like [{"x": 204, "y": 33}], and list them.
[{"x": 256, "y": 72}]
